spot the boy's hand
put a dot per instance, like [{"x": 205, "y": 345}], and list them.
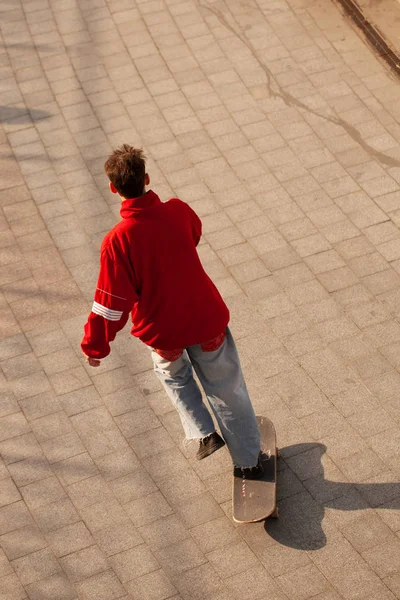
[{"x": 93, "y": 362}]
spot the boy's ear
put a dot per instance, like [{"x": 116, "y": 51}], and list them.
[
  {"x": 147, "y": 179},
  {"x": 113, "y": 189}
]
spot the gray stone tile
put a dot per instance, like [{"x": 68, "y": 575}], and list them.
[
  {"x": 36, "y": 566},
  {"x": 215, "y": 534},
  {"x": 133, "y": 486},
  {"x": 303, "y": 582},
  {"x": 104, "y": 514},
  {"x": 305, "y": 293},
  {"x": 297, "y": 229},
  {"x": 288, "y": 324},
  {"x": 59, "y": 361},
  {"x": 11, "y": 587},
  {"x": 84, "y": 563},
  {"x": 22, "y": 541},
  {"x": 133, "y": 563},
  {"x": 382, "y": 232},
  {"x": 69, "y": 538},
  {"x": 249, "y": 271},
  {"x": 232, "y": 559},
  {"x": 383, "y": 281},
  {"x": 62, "y": 447},
  {"x": 383, "y": 333},
  {"x": 42, "y": 492},
  {"x": 117, "y": 464},
  {"x": 75, "y": 468},
  {"x": 53, "y": 516},
  {"x": 124, "y": 401},
  {"x": 30, "y": 470},
  {"x": 293, "y": 275},
  {"x": 304, "y": 342},
  {"x": 276, "y": 305},
  {"x": 182, "y": 487},
  {"x": 180, "y": 557},
  {"x": 199, "y": 510},
  {"x": 164, "y": 532},
  {"x": 14, "y": 346},
  {"x": 8, "y": 492},
  {"x": 368, "y": 313},
  {"x": 318, "y": 312},
  {"x": 148, "y": 508},
  {"x": 86, "y": 487},
  {"x": 338, "y": 232},
  {"x": 116, "y": 380},
  {"x": 69, "y": 381},
  {"x": 362, "y": 466},
  {"x": 354, "y": 400},
  {"x": 151, "y": 442},
  {"x": 166, "y": 465},
  {"x": 220, "y": 486},
  {"x": 32, "y": 385},
  {"x": 14, "y": 516},
  {"x": 324, "y": 261},
  {"x": 103, "y": 586},
  {"x": 338, "y": 279},
  {"x": 390, "y": 352},
  {"x": 327, "y": 371},
  {"x": 116, "y": 539},
  {"x": 197, "y": 582},
  {"x": 51, "y": 426},
  {"x": 40, "y": 405},
  {"x": 56, "y": 586},
  {"x": 393, "y": 583},
  {"x": 258, "y": 581},
  {"x": 13, "y": 425},
  {"x": 97, "y": 420},
  {"x": 280, "y": 258},
  {"x": 5, "y": 565},
  {"x": 339, "y": 328},
  {"x": 368, "y": 264},
  {"x": 384, "y": 559},
  {"x": 152, "y": 586},
  {"x": 385, "y": 387},
  {"x": 376, "y": 495},
  {"x": 357, "y": 576}
]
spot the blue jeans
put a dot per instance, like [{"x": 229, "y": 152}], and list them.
[{"x": 221, "y": 377}]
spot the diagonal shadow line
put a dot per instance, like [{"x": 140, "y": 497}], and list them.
[
  {"x": 39, "y": 157},
  {"x": 9, "y": 114},
  {"x": 25, "y": 46},
  {"x": 57, "y": 468},
  {"x": 45, "y": 296},
  {"x": 302, "y": 505}
]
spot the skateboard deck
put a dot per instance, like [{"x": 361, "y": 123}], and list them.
[{"x": 255, "y": 499}]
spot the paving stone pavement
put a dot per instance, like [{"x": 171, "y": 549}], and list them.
[{"x": 282, "y": 130}]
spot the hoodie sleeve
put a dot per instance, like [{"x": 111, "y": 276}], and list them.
[{"x": 113, "y": 301}]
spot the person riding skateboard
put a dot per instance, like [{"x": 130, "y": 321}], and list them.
[{"x": 150, "y": 268}]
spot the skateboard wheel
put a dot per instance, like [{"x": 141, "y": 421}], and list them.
[{"x": 275, "y": 514}]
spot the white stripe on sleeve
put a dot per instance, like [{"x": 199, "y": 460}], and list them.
[{"x": 107, "y": 313}]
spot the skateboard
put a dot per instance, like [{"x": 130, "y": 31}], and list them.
[{"x": 255, "y": 499}]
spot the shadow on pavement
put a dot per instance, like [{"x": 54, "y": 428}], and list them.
[
  {"x": 300, "y": 516},
  {"x": 9, "y": 114}
]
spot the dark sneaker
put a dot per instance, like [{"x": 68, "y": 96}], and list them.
[
  {"x": 209, "y": 444},
  {"x": 255, "y": 472}
]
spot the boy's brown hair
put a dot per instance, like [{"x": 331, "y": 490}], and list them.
[{"x": 126, "y": 169}]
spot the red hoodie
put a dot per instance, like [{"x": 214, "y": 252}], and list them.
[{"x": 149, "y": 266}]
